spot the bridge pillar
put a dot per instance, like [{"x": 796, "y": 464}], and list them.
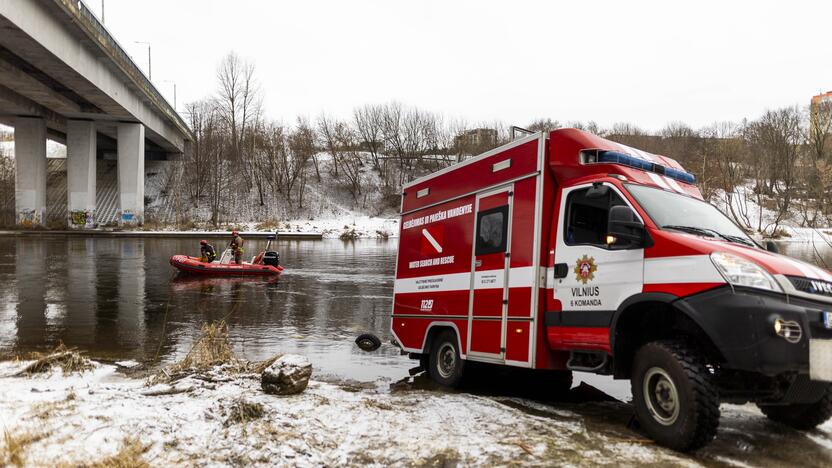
[
  {"x": 131, "y": 173},
  {"x": 80, "y": 173},
  {"x": 30, "y": 173}
]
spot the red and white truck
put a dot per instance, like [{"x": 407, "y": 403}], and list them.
[{"x": 564, "y": 251}]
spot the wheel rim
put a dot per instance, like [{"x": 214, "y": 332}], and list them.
[
  {"x": 446, "y": 364},
  {"x": 661, "y": 396}
]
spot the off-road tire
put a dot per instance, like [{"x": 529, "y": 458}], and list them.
[
  {"x": 445, "y": 365},
  {"x": 801, "y": 416},
  {"x": 697, "y": 417},
  {"x": 368, "y": 342}
]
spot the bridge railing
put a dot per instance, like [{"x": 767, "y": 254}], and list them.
[{"x": 99, "y": 34}]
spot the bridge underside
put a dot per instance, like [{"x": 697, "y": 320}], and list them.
[{"x": 63, "y": 77}]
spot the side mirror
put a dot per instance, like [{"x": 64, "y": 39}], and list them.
[
  {"x": 623, "y": 224},
  {"x": 772, "y": 247}
]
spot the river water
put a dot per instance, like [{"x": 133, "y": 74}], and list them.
[{"x": 120, "y": 299}]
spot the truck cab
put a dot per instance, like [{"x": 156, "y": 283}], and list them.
[{"x": 563, "y": 252}]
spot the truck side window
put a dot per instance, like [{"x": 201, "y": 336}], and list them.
[
  {"x": 492, "y": 230},
  {"x": 587, "y": 217}
]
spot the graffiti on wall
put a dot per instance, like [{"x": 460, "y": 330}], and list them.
[
  {"x": 28, "y": 217},
  {"x": 82, "y": 219},
  {"x": 130, "y": 218}
]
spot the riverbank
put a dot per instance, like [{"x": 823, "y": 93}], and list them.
[
  {"x": 104, "y": 415},
  {"x": 360, "y": 227}
]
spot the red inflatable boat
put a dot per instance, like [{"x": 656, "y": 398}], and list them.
[
  {"x": 192, "y": 265},
  {"x": 264, "y": 264}
]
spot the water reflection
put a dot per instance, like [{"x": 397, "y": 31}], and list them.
[{"x": 120, "y": 299}]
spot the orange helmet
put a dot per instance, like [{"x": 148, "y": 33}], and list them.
[{"x": 203, "y": 242}]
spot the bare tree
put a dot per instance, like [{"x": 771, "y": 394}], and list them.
[
  {"x": 201, "y": 115},
  {"x": 543, "y": 125},
  {"x": 301, "y": 145},
  {"x": 7, "y": 168},
  {"x": 723, "y": 145},
  {"x": 239, "y": 104},
  {"x": 367, "y": 121},
  {"x": 775, "y": 141},
  {"x": 341, "y": 142}
]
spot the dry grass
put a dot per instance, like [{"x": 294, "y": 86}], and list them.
[
  {"x": 213, "y": 348},
  {"x": 129, "y": 455},
  {"x": 371, "y": 403},
  {"x": 13, "y": 451},
  {"x": 68, "y": 359},
  {"x": 47, "y": 410},
  {"x": 233, "y": 227},
  {"x": 270, "y": 224},
  {"x": 349, "y": 234},
  {"x": 242, "y": 411}
]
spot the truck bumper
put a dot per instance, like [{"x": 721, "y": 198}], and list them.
[{"x": 740, "y": 322}]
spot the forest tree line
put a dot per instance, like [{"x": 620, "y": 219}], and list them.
[{"x": 780, "y": 161}]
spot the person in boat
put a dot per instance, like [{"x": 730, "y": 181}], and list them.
[
  {"x": 207, "y": 252},
  {"x": 236, "y": 246}
]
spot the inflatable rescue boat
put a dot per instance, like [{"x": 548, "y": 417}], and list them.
[
  {"x": 264, "y": 264},
  {"x": 193, "y": 265}
]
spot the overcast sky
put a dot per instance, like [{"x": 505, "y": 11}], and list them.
[{"x": 646, "y": 62}]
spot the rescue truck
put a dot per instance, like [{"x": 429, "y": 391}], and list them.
[{"x": 564, "y": 251}]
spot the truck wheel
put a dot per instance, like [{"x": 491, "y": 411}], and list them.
[
  {"x": 445, "y": 363},
  {"x": 675, "y": 399},
  {"x": 801, "y": 416}
]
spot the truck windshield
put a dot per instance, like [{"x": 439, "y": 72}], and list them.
[{"x": 681, "y": 213}]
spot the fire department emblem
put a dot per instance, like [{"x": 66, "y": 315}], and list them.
[{"x": 585, "y": 269}]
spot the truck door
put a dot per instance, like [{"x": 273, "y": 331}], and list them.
[
  {"x": 489, "y": 290},
  {"x": 592, "y": 277}
]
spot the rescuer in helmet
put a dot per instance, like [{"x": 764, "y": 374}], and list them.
[
  {"x": 207, "y": 252},
  {"x": 236, "y": 246}
]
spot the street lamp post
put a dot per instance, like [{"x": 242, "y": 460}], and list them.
[{"x": 149, "y": 68}]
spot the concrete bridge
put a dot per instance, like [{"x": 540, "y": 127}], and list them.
[{"x": 64, "y": 77}]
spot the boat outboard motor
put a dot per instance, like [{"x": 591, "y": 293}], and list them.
[{"x": 271, "y": 257}]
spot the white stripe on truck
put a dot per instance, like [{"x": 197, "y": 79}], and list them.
[
  {"x": 519, "y": 277},
  {"x": 682, "y": 269}
]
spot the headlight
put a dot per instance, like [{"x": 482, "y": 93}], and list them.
[{"x": 741, "y": 272}]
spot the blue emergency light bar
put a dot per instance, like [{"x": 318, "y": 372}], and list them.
[{"x": 614, "y": 157}]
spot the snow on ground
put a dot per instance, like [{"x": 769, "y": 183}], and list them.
[
  {"x": 79, "y": 419},
  {"x": 87, "y": 417},
  {"x": 750, "y": 215},
  {"x": 350, "y": 226}
]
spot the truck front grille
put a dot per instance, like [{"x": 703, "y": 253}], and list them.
[{"x": 811, "y": 286}]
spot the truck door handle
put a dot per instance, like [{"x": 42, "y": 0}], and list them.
[
  {"x": 478, "y": 263},
  {"x": 561, "y": 270}
]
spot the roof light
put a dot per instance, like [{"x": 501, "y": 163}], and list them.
[{"x": 614, "y": 157}]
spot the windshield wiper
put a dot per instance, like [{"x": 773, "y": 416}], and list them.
[
  {"x": 692, "y": 230},
  {"x": 737, "y": 239},
  {"x": 709, "y": 233}
]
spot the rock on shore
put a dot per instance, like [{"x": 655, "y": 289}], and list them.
[{"x": 288, "y": 375}]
